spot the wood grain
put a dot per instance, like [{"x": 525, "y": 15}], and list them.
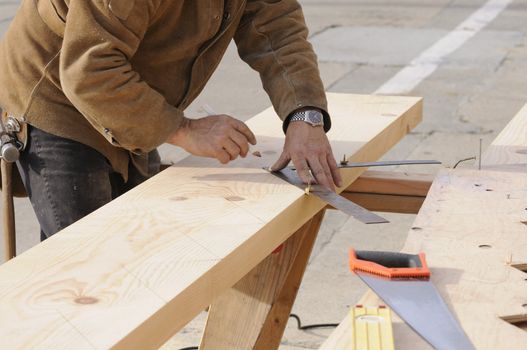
[
  {"x": 469, "y": 227},
  {"x": 271, "y": 333},
  {"x": 389, "y": 192},
  {"x": 473, "y": 228},
  {"x": 237, "y": 317},
  {"x": 8, "y": 210},
  {"x": 509, "y": 150},
  {"x": 392, "y": 182},
  {"x": 134, "y": 272},
  {"x": 386, "y": 203}
]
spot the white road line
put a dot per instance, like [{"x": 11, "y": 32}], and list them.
[{"x": 425, "y": 64}]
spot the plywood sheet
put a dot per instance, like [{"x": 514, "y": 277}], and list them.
[
  {"x": 473, "y": 228},
  {"x": 134, "y": 272}
]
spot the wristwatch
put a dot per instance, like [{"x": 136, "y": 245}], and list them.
[{"x": 310, "y": 116}]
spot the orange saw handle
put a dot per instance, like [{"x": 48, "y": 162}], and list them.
[{"x": 389, "y": 264}]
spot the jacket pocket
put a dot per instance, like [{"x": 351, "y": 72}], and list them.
[{"x": 50, "y": 15}]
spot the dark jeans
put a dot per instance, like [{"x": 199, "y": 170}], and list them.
[{"x": 67, "y": 180}]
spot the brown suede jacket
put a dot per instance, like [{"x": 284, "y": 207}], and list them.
[{"x": 117, "y": 74}]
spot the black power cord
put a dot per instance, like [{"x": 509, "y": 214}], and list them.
[
  {"x": 299, "y": 326},
  {"x": 311, "y": 326}
]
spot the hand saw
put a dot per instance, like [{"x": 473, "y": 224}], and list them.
[
  {"x": 403, "y": 282},
  {"x": 337, "y": 201}
]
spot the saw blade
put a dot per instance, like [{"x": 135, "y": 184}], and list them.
[
  {"x": 419, "y": 304},
  {"x": 332, "y": 198}
]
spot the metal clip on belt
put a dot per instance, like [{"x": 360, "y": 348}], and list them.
[{"x": 10, "y": 149}]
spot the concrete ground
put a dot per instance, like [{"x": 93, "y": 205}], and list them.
[{"x": 361, "y": 44}]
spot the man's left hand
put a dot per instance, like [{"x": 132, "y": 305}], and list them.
[{"x": 308, "y": 147}]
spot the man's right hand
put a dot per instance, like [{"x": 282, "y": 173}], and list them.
[{"x": 216, "y": 136}]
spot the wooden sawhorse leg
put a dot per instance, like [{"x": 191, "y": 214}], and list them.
[{"x": 254, "y": 312}]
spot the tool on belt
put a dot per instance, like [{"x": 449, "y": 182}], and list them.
[
  {"x": 10, "y": 148},
  {"x": 339, "y": 202},
  {"x": 402, "y": 281}
]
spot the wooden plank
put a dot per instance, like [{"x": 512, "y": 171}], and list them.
[
  {"x": 470, "y": 226},
  {"x": 390, "y": 192},
  {"x": 274, "y": 327},
  {"x": 386, "y": 203},
  {"x": 473, "y": 230},
  {"x": 509, "y": 150},
  {"x": 236, "y": 318},
  {"x": 392, "y": 182},
  {"x": 459, "y": 220},
  {"x": 137, "y": 270}
]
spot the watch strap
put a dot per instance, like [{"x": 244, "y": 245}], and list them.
[
  {"x": 310, "y": 116},
  {"x": 327, "y": 120}
]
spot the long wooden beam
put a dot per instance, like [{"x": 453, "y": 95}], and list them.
[
  {"x": 134, "y": 272},
  {"x": 387, "y": 191}
]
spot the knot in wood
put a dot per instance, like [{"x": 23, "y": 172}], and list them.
[
  {"x": 86, "y": 300},
  {"x": 235, "y": 198}
]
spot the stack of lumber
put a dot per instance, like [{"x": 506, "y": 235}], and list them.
[
  {"x": 473, "y": 229},
  {"x": 134, "y": 272}
]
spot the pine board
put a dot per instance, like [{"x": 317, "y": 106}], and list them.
[
  {"x": 509, "y": 150},
  {"x": 134, "y": 272}
]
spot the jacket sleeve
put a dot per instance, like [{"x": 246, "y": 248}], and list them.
[
  {"x": 100, "y": 38},
  {"x": 272, "y": 39}
]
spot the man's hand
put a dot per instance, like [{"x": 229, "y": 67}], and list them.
[
  {"x": 216, "y": 136},
  {"x": 308, "y": 147}
]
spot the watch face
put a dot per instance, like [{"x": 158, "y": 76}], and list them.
[{"x": 315, "y": 117}]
